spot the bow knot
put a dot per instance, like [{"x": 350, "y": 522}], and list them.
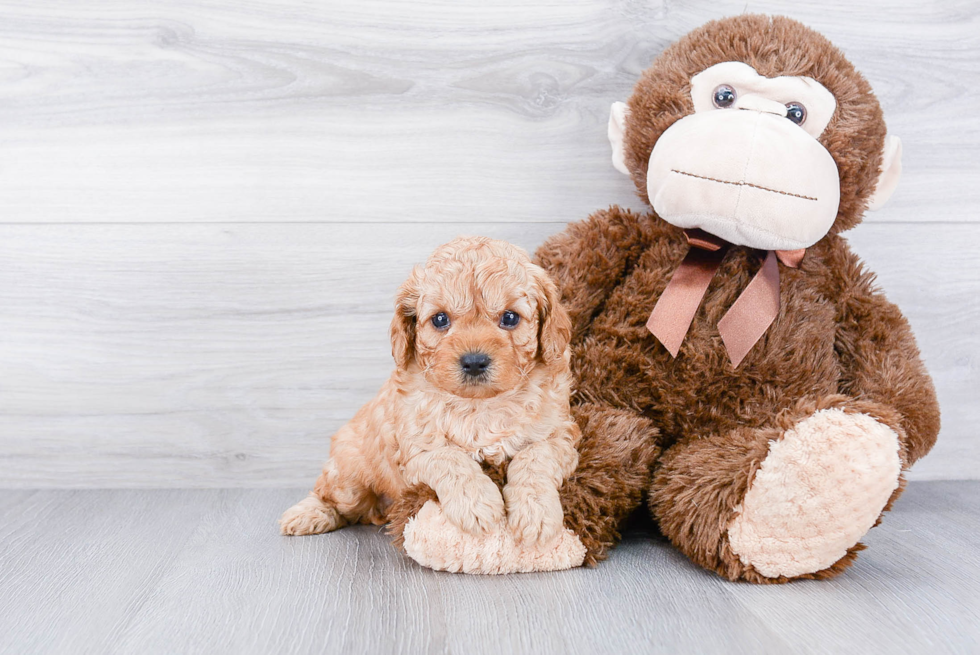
[{"x": 749, "y": 316}]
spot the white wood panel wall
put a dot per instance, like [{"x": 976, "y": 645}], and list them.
[{"x": 205, "y": 207}]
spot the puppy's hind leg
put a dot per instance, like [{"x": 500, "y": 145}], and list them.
[
  {"x": 310, "y": 516},
  {"x": 320, "y": 511}
]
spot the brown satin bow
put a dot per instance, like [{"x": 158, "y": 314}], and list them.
[{"x": 749, "y": 316}]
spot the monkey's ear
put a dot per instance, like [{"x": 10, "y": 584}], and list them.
[
  {"x": 617, "y": 128},
  {"x": 891, "y": 170},
  {"x": 402, "y": 330}
]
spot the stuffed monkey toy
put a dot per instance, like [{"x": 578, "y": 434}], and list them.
[{"x": 735, "y": 364}]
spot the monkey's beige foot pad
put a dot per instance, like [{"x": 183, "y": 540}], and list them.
[
  {"x": 819, "y": 490},
  {"x": 433, "y": 541}
]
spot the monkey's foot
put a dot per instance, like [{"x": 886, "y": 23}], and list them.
[
  {"x": 433, "y": 541},
  {"x": 818, "y": 491}
]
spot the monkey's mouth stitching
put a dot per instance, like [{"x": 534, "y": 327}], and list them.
[{"x": 754, "y": 186}]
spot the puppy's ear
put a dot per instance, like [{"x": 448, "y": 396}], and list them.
[
  {"x": 555, "y": 328},
  {"x": 402, "y": 330}
]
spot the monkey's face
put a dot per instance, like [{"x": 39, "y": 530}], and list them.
[{"x": 748, "y": 164}]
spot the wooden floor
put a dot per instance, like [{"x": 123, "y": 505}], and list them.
[{"x": 187, "y": 571}]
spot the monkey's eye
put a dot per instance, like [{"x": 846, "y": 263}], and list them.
[
  {"x": 509, "y": 320},
  {"x": 796, "y": 112},
  {"x": 723, "y": 97},
  {"x": 440, "y": 321}
]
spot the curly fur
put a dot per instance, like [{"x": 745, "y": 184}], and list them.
[
  {"x": 615, "y": 455},
  {"x": 431, "y": 424},
  {"x": 837, "y": 341},
  {"x": 773, "y": 46},
  {"x": 691, "y": 433}
]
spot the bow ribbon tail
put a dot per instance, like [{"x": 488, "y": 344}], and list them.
[
  {"x": 753, "y": 311},
  {"x": 672, "y": 315}
]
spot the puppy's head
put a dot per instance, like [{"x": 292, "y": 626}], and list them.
[{"x": 477, "y": 318}]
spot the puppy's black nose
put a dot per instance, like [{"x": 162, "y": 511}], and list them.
[{"x": 474, "y": 364}]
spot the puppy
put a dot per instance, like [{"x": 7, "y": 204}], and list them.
[{"x": 480, "y": 343}]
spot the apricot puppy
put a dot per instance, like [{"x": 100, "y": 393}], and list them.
[{"x": 481, "y": 373}]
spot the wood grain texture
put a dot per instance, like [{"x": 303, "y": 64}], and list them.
[
  {"x": 925, "y": 549},
  {"x": 205, "y": 207},
  {"x": 206, "y": 572},
  {"x": 84, "y": 562},
  {"x": 426, "y": 110},
  {"x": 225, "y": 355}
]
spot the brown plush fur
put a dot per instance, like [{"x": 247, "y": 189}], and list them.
[
  {"x": 773, "y": 47},
  {"x": 837, "y": 341},
  {"x": 716, "y": 471},
  {"x": 615, "y": 456}
]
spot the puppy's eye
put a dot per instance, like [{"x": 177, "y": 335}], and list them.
[
  {"x": 440, "y": 321},
  {"x": 509, "y": 320}
]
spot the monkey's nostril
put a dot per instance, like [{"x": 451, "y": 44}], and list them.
[{"x": 474, "y": 364}]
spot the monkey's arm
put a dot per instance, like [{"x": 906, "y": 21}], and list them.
[
  {"x": 880, "y": 359},
  {"x": 591, "y": 257}
]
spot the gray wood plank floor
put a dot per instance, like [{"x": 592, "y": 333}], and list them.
[{"x": 187, "y": 571}]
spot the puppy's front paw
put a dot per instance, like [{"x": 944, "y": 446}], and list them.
[
  {"x": 534, "y": 513},
  {"x": 477, "y": 507},
  {"x": 310, "y": 516}
]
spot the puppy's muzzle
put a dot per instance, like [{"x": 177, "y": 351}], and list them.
[{"x": 474, "y": 365}]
